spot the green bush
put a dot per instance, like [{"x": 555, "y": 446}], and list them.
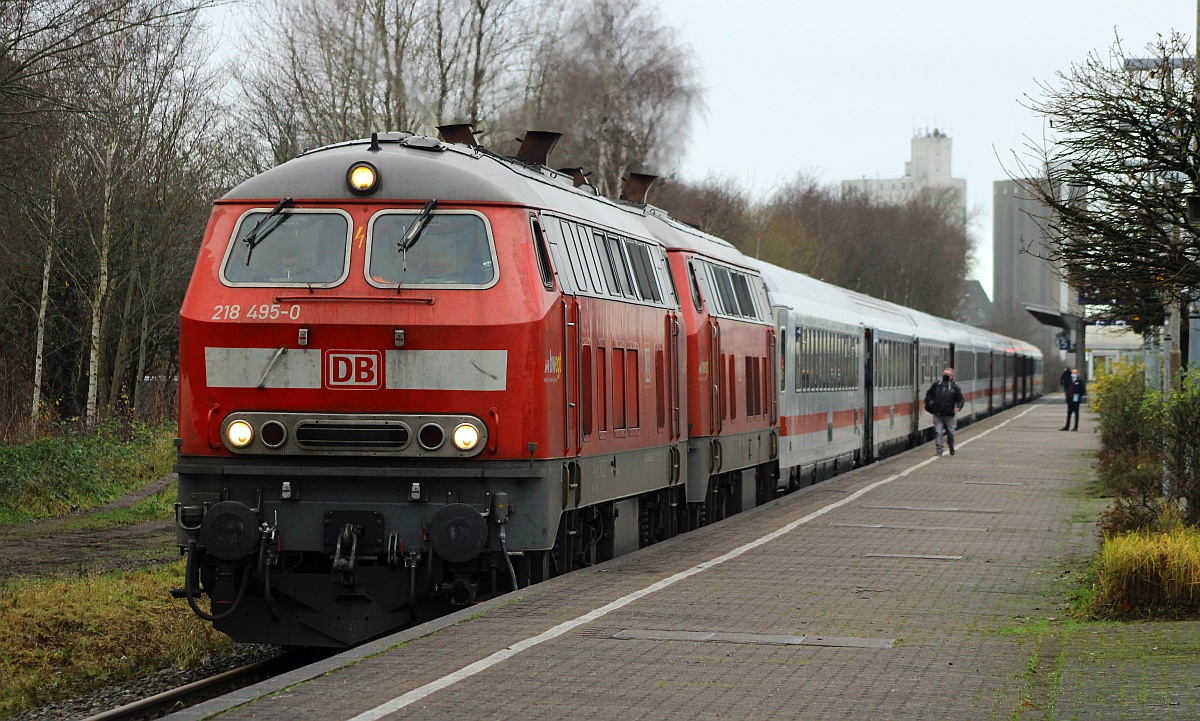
[
  {"x": 1131, "y": 433},
  {"x": 1181, "y": 443},
  {"x": 54, "y": 476}
]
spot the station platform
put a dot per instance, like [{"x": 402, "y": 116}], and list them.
[{"x": 920, "y": 587}]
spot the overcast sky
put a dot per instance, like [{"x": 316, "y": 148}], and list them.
[{"x": 838, "y": 88}]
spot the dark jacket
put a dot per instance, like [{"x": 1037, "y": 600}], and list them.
[
  {"x": 944, "y": 399},
  {"x": 1076, "y": 388},
  {"x": 1065, "y": 379}
]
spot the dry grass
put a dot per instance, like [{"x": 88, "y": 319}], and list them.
[
  {"x": 62, "y": 638},
  {"x": 1152, "y": 573}
]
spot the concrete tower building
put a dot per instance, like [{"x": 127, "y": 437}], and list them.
[
  {"x": 1021, "y": 277},
  {"x": 928, "y": 168}
]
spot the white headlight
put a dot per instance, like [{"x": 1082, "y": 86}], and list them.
[
  {"x": 239, "y": 433},
  {"x": 465, "y": 436}
]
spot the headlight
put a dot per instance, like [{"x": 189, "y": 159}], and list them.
[
  {"x": 362, "y": 178},
  {"x": 465, "y": 437},
  {"x": 239, "y": 433}
]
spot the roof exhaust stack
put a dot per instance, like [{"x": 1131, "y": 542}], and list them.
[
  {"x": 636, "y": 186},
  {"x": 536, "y": 147},
  {"x": 458, "y": 133},
  {"x": 576, "y": 174}
]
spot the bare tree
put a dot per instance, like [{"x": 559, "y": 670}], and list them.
[
  {"x": 916, "y": 254},
  {"x": 40, "y": 39},
  {"x": 621, "y": 86},
  {"x": 1120, "y": 155}
]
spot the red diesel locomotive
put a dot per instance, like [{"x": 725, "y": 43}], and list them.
[{"x": 415, "y": 372}]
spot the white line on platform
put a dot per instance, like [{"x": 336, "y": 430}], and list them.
[{"x": 485, "y": 663}]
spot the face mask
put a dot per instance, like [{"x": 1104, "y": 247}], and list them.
[
  {"x": 946, "y": 377},
  {"x": 1074, "y": 377}
]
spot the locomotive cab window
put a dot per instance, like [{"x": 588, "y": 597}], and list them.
[
  {"x": 454, "y": 250},
  {"x": 296, "y": 247}
]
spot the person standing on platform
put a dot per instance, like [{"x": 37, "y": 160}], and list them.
[
  {"x": 943, "y": 399},
  {"x": 1075, "y": 393}
]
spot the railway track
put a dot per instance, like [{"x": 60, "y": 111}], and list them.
[{"x": 161, "y": 704}]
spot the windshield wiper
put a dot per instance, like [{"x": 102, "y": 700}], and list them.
[
  {"x": 254, "y": 237},
  {"x": 414, "y": 233}
]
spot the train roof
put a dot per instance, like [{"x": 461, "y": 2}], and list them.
[
  {"x": 826, "y": 301},
  {"x": 416, "y": 168}
]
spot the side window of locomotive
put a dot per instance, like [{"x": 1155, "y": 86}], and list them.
[
  {"x": 725, "y": 296},
  {"x": 543, "y": 254},
  {"x": 591, "y": 254},
  {"x": 606, "y": 263},
  {"x": 621, "y": 267},
  {"x": 575, "y": 256},
  {"x": 643, "y": 270},
  {"x": 294, "y": 248},
  {"x": 453, "y": 250},
  {"x": 691, "y": 266},
  {"x": 745, "y": 299}
]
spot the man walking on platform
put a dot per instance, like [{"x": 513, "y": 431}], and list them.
[
  {"x": 943, "y": 399},
  {"x": 1075, "y": 392}
]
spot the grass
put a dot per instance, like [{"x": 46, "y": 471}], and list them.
[
  {"x": 152, "y": 508},
  {"x": 55, "y": 476},
  {"x": 66, "y": 637},
  {"x": 1149, "y": 574},
  {"x": 1041, "y": 679}
]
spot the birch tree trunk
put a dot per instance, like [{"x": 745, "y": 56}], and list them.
[
  {"x": 43, "y": 306},
  {"x": 100, "y": 295}
]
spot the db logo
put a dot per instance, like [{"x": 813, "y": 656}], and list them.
[{"x": 360, "y": 369}]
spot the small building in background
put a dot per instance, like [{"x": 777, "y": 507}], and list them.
[
  {"x": 1108, "y": 345},
  {"x": 976, "y": 308}
]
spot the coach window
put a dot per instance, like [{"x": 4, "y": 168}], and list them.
[
  {"x": 294, "y": 248},
  {"x": 454, "y": 250}
]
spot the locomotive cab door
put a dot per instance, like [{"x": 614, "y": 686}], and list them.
[{"x": 571, "y": 344}]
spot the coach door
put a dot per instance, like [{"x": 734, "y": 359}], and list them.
[
  {"x": 991, "y": 382},
  {"x": 867, "y": 454},
  {"x": 920, "y": 362}
]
